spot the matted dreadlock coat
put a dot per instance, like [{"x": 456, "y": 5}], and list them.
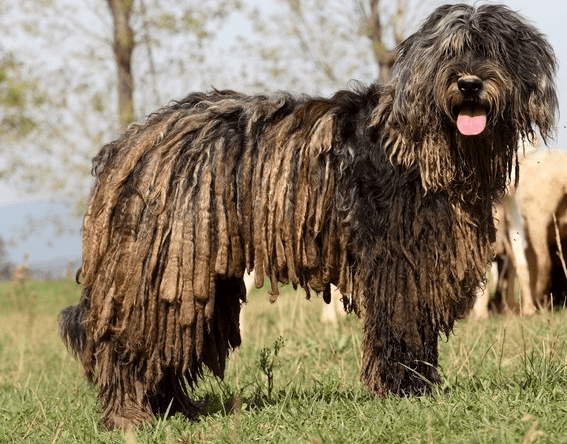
[{"x": 372, "y": 190}]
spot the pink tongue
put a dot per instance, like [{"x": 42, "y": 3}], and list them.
[{"x": 471, "y": 120}]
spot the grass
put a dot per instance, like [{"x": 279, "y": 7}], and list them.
[{"x": 295, "y": 380}]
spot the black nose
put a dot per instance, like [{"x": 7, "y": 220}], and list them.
[{"x": 469, "y": 85}]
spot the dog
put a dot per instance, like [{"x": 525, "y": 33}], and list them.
[{"x": 385, "y": 191}]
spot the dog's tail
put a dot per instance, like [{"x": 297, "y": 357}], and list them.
[{"x": 71, "y": 329}]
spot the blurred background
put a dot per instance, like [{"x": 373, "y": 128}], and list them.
[{"x": 74, "y": 73}]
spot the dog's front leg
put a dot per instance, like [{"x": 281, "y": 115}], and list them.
[{"x": 400, "y": 349}]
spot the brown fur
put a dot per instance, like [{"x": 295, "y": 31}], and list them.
[{"x": 374, "y": 191}]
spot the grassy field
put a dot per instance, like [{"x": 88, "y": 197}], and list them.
[{"x": 507, "y": 381}]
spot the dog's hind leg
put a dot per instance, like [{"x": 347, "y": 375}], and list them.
[
  {"x": 123, "y": 397},
  {"x": 129, "y": 403},
  {"x": 172, "y": 397},
  {"x": 221, "y": 334},
  {"x": 132, "y": 390}
]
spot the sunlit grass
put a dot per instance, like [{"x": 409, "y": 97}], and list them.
[{"x": 505, "y": 381}]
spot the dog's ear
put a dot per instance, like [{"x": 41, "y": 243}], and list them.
[
  {"x": 535, "y": 67},
  {"x": 541, "y": 105}
]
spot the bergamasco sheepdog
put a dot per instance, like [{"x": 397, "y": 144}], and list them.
[{"x": 385, "y": 191}]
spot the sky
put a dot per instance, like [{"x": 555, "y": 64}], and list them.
[{"x": 45, "y": 247}]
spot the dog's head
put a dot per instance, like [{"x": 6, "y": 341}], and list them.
[{"x": 478, "y": 72}]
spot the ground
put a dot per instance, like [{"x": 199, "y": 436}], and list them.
[{"x": 505, "y": 377}]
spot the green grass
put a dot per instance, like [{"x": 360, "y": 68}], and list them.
[{"x": 506, "y": 382}]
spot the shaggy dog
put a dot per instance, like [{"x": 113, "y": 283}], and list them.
[{"x": 386, "y": 192}]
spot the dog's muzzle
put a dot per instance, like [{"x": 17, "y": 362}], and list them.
[{"x": 471, "y": 119}]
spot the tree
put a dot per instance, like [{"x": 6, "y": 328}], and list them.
[
  {"x": 136, "y": 53},
  {"x": 123, "y": 47},
  {"x": 78, "y": 114},
  {"x": 3, "y": 252},
  {"x": 384, "y": 56},
  {"x": 5, "y": 266},
  {"x": 15, "y": 95},
  {"x": 192, "y": 20},
  {"x": 323, "y": 44}
]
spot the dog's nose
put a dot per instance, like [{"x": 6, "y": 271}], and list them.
[{"x": 469, "y": 84}]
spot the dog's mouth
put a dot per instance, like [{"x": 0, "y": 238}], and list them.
[{"x": 471, "y": 119}]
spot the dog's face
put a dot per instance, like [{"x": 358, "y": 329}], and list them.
[
  {"x": 474, "y": 72},
  {"x": 471, "y": 92}
]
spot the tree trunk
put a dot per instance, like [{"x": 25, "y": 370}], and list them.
[
  {"x": 384, "y": 57},
  {"x": 123, "y": 46}
]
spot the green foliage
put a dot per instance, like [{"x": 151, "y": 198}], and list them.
[
  {"x": 58, "y": 99},
  {"x": 504, "y": 381},
  {"x": 18, "y": 124},
  {"x": 266, "y": 361},
  {"x": 15, "y": 95},
  {"x": 196, "y": 24}
]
